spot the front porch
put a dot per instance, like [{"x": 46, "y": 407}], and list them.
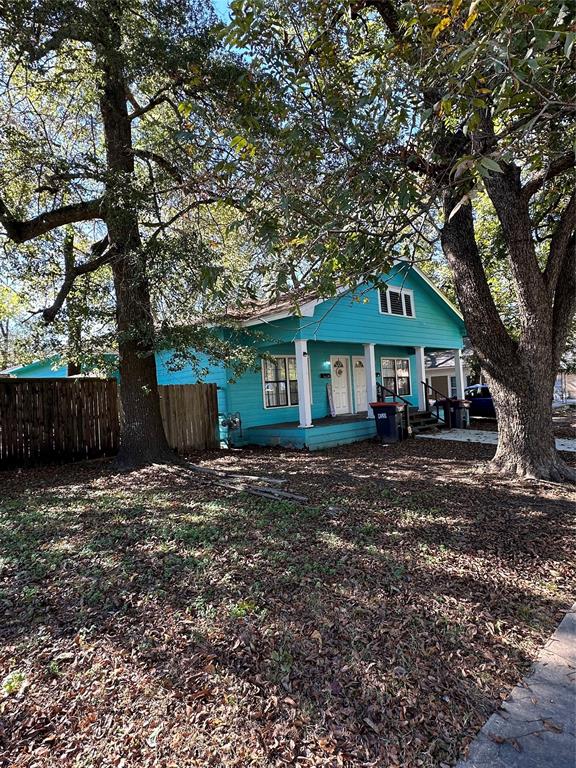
[
  {"x": 316, "y": 394},
  {"x": 328, "y": 432}
]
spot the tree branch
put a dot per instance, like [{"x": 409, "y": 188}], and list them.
[
  {"x": 159, "y": 97},
  {"x": 555, "y": 168},
  {"x": 21, "y": 231},
  {"x": 560, "y": 243},
  {"x": 102, "y": 253},
  {"x": 564, "y": 299},
  {"x": 161, "y": 161},
  {"x": 387, "y": 13}
]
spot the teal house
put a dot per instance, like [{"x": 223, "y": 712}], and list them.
[{"x": 320, "y": 367}]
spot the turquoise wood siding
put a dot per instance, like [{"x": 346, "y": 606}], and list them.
[
  {"x": 247, "y": 397},
  {"x": 314, "y": 439},
  {"x": 214, "y": 374},
  {"x": 357, "y": 318},
  {"x": 43, "y": 369}
]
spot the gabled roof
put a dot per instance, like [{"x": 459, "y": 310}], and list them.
[
  {"x": 284, "y": 306},
  {"x": 34, "y": 364},
  {"x": 277, "y": 309}
]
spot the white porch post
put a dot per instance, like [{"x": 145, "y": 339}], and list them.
[
  {"x": 304, "y": 398},
  {"x": 459, "y": 371},
  {"x": 420, "y": 377},
  {"x": 370, "y": 370}
]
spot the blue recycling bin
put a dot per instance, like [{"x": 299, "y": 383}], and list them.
[{"x": 389, "y": 417}]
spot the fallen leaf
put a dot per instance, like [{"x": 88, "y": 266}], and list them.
[{"x": 550, "y": 725}]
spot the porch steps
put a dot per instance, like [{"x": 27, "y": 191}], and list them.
[{"x": 423, "y": 421}]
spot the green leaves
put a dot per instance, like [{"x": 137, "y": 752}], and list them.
[{"x": 490, "y": 164}]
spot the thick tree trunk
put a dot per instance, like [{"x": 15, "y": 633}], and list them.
[
  {"x": 525, "y": 433},
  {"x": 521, "y": 373},
  {"x": 142, "y": 438}
]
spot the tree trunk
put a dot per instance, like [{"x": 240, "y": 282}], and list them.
[
  {"x": 142, "y": 439},
  {"x": 5, "y": 334},
  {"x": 74, "y": 311},
  {"x": 520, "y": 373},
  {"x": 525, "y": 431}
]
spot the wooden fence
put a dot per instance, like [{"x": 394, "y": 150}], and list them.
[
  {"x": 53, "y": 420},
  {"x": 45, "y": 420},
  {"x": 190, "y": 416}
]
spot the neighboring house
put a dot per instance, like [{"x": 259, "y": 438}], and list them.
[
  {"x": 49, "y": 368},
  {"x": 441, "y": 371},
  {"x": 565, "y": 387},
  {"x": 349, "y": 342}
]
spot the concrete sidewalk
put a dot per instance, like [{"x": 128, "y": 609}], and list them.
[
  {"x": 488, "y": 438},
  {"x": 536, "y": 726}
]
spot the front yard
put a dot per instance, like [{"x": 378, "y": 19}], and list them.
[{"x": 149, "y": 619}]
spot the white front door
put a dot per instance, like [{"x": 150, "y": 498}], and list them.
[
  {"x": 340, "y": 384},
  {"x": 360, "y": 396}
]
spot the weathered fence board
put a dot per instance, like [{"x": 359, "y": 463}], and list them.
[
  {"x": 190, "y": 416},
  {"x": 52, "y": 420},
  {"x": 57, "y": 420}
]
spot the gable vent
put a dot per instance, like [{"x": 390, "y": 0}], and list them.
[
  {"x": 396, "y": 303},
  {"x": 408, "y": 304},
  {"x": 383, "y": 300}
]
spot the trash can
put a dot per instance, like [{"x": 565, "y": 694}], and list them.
[
  {"x": 388, "y": 418},
  {"x": 455, "y": 412},
  {"x": 459, "y": 416}
]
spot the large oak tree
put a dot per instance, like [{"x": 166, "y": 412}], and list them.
[
  {"x": 91, "y": 119},
  {"x": 395, "y": 123}
]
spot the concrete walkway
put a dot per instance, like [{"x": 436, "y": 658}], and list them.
[
  {"x": 536, "y": 726},
  {"x": 488, "y": 438}
]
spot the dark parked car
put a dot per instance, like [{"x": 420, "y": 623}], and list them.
[{"x": 480, "y": 401}]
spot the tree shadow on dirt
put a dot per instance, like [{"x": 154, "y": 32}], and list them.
[{"x": 379, "y": 622}]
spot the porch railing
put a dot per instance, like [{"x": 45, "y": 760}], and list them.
[
  {"x": 381, "y": 389},
  {"x": 439, "y": 396}
]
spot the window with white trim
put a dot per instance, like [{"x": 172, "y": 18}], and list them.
[
  {"x": 279, "y": 381},
  {"x": 396, "y": 375},
  {"x": 397, "y": 301}
]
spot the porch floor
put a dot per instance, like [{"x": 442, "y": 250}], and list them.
[
  {"x": 326, "y": 432},
  {"x": 324, "y": 421}
]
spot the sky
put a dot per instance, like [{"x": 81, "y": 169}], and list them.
[{"x": 221, "y": 7}]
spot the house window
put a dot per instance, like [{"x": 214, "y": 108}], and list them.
[
  {"x": 280, "y": 382},
  {"x": 453, "y": 388},
  {"x": 396, "y": 375},
  {"x": 397, "y": 301}
]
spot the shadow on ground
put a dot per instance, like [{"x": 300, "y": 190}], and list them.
[{"x": 152, "y": 619}]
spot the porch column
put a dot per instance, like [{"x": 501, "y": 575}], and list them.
[
  {"x": 304, "y": 399},
  {"x": 370, "y": 369},
  {"x": 420, "y": 377},
  {"x": 459, "y": 371}
]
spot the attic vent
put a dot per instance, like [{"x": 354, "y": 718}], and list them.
[
  {"x": 383, "y": 301},
  {"x": 408, "y": 304},
  {"x": 396, "y": 301}
]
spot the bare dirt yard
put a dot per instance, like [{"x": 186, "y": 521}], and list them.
[{"x": 153, "y": 619}]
